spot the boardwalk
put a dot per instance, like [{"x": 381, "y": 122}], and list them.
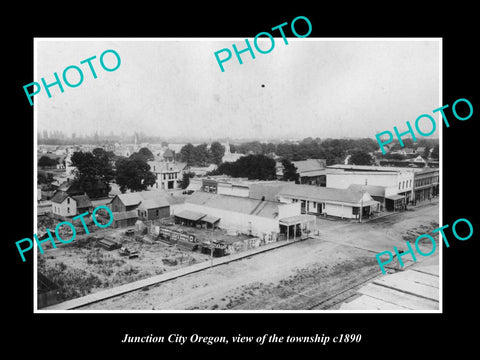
[{"x": 414, "y": 289}]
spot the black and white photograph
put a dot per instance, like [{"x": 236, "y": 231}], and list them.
[
  {"x": 261, "y": 187},
  {"x": 218, "y": 180}
]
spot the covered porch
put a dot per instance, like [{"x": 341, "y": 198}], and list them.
[
  {"x": 189, "y": 218},
  {"x": 297, "y": 227},
  {"x": 210, "y": 222},
  {"x": 395, "y": 202}
]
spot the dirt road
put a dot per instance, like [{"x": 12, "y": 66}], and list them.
[{"x": 300, "y": 276}]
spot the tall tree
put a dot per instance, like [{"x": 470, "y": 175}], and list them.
[
  {"x": 217, "y": 151},
  {"x": 435, "y": 152},
  {"x": 426, "y": 152},
  {"x": 133, "y": 174},
  {"x": 259, "y": 167},
  {"x": 186, "y": 179},
  {"x": 93, "y": 171},
  {"x": 46, "y": 161},
  {"x": 186, "y": 153},
  {"x": 290, "y": 171},
  {"x": 360, "y": 157},
  {"x": 146, "y": 154}
]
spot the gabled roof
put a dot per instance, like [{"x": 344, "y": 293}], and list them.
[
  {"x": 152, "y": 198},
  {"x": 190, "y": 215},
  {"x": 130, "y": 199},
  {"x": 59, "y": 196},
  {"x": 82, "y": 201},
  {"x": 154, "y": 203}
]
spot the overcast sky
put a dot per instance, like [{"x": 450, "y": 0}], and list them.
[{"x": 313, "y": 87}]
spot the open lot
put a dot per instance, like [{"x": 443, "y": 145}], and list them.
[
  {"x": 318, "y": 273},
  {"x": 83, "y": 266}
]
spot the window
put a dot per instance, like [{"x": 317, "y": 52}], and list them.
[
  {"x": 68, "y": 210},
  {"x": 68, "y": 200},
  {"x": 157, "y": 212},
  {"x": 399, "y": 185}
]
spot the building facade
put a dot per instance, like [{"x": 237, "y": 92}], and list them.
[
  {"x": 168, "y": 175},
  {"x": 396, "y": 181},
  {"x": 426, "y": 184}
]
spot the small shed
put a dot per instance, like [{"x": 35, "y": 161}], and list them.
[
  {"x": 188, "y": 217},
  {"x": 210, "y": 221}
]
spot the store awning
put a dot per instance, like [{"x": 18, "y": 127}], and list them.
[
  {"x": 190, "y": 215},
  {"x": 297, "y": 219},
  {"x": 211, "y": 219},
  {"x": 395, "y": 197},
  {"x": 370, "y": 203}
]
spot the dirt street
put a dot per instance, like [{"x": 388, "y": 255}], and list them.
[{"x": 317, "y": 273}]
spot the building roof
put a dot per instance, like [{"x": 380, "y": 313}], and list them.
[
  {"x": 268, "y": 209},
  {"x": 163, "y": 166},
  {"x": 174, "y": 200},
  {"x": 59, "y": 196},
  {"x": 307, "y": 166},
  {"x": 211, "y": 219},
  {"x": 369, "y": 168},
  {"x": 154, "y": 203},
  {"x": 374, "y": 190},
  {"x": 297, "y": 219},
  {"x": 310, "y": 192},
  {"x": 83, "y": 201},
  {"x": 190, "y": 215},
  {"x": 266, "y": 191},
  {"x": 136, "y": 198},
  {"x": 321, "y": 194}
]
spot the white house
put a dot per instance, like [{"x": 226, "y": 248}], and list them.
[
  {"x": 168, "y": 175},
  {"x": 66, "y": 206}
]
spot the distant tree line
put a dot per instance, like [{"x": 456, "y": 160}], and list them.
[{"x": 333, "y": 150}]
